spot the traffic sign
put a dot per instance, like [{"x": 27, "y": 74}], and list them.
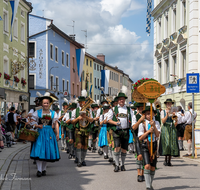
[
  {"x": 192, "y": 82},
  {"x": 65, "y": 93}
]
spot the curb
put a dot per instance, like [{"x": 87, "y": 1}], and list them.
[{"x": 6, "y": 165}]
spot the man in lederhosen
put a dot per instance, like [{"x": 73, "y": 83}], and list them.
[
  {"x": 120, "y": 128},
  {"x": 138, "y": 118},
  {"x": 80, "y": 120}
]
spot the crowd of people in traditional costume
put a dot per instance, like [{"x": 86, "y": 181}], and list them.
[{"x": 110, "y": 128}]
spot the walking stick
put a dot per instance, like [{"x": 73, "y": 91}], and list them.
[{"x": 151, "y": 133}]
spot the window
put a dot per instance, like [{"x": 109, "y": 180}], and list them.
[
  {"x": 73, "y": 66},
  {"x": 120, "y": 79},
  {"x": 174, "y": 21},
  {"x": 5, "y": 21},
  {"x": 174, "y": 65},
  {"x": 6, "y": 65},
  {"x": 22, "y": 32},
  {"x": 57, "y": 89},
  {"x": 87, "y": 62},
  {"x": 31, "y": 81},
  {"x": 100, "y": 68},
  {"x": 95, "y": 82},
  {"x": 183, "y": 13},
  {"x": 73, "y": 89},
  {"x": 166, "y": 26},
  {"x": 183, "y": 62},
  {"x": 110, "y": 75},
  {"x": 67, "y": 86},
  {"x": 159, "y": 32},
  {"x": 15, "y": 28},
  {"x": 83, "y": 77},
  {"x": 56, "y": 54},
  {"x": 63, "y": 85},
  {"x": 159, "y": 72},
  {"x": 67, "y": 60},
  {"x": 31, "y": 49},
  {"x": 77, "y": 90},
  {"x": 167, "y": 70},
  {"x": 51, "y": 51},
  {"x": 63, "y": 58},
  {"x": 91, "y": 77},
  {"x": 98, "y": 82},
  {"x": 52, "y": 82},
  {"x": 22, "y": 13},
  {"x": 90, "y": 63},
  {"x": 95, "y": 66},
  {"x": 95, "y": 97}
]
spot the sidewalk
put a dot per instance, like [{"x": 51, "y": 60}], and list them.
[{"x": 6, "y": 157}]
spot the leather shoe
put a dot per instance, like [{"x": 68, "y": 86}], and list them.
[
  {"x": 62, "y": 148},
  {"x": 76, "y": 160},
  {"x": 83, "y": 163},
  {"x": 116, "y": 169},
  {"x": 123, "y": 168},
  {"x": 106, "y": 157},
  {"x": 110, "y": 160},
  {"x": 140, "y": 178},
  {"x": 89, "y": 148},
  {"x": 165, "y": 163},
  {"x": 187, "y": 155},
  {"x": 79, "y": 164},
  {"x": 67, "y": 151},
  {"x": 44, "y": 173},
  {"x": 169, "y": 164},
  {"x": 39, "y": 174},
  {"x": 70, "y": 156}
]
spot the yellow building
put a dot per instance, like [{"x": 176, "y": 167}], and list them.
[{"x": 88, "y": 72}]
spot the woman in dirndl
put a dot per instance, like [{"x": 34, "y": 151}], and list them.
[
  {"x": 103, "y": 142},
  {"x": 45, "y": 148},
  {"x": 168, "y": 139}
]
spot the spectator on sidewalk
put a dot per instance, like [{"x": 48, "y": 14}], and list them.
[
  {"x": 6, "y": 120},
  {"x": 187, "y": 119},
  {"x": 12, "y": 121},
  {"x": 1, "y": 138}
]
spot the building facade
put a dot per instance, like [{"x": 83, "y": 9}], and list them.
[
  {"x": 14, "y": 57},
  {"x": 49, "y": 60},
  {"x": 176, "y": 47},
  {"x": 88, "y": 75}
]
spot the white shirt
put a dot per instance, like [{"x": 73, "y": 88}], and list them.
[
  {"x": 15, "y": 117},
  {"x": 141, "y": 128},
  {"x": 66, "y": 117},
  {"x": 36, "y": 118},
  {"x": 123, "y": 121},
  {"x": 103, "y": 117},
  {"x": 7, "y": 117},
  {"x": 180, "y": 117},
  {"x": 98, "y": 112},
  {"x": 187, "y": 118},
  {"x": 134, "y": 120}
]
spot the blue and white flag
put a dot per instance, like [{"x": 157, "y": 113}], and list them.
[
  {"x": 148, "y": 24},
  {"x": 91, "y": 89},
  {"x": 80, "y": 58},
  {"x": 14, "y": 6},
  {"x": 105, "y": 75}
]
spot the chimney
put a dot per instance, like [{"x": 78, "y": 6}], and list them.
[
  {"x": 116, "y": 67},
  {"x": 101, "y": 57},
  {"x": 72, "y": 36}
]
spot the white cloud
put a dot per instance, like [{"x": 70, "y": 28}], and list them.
[{"x": 101, "y": 19}]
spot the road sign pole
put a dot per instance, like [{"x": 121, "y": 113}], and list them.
[{"x": 192, "y": 125}]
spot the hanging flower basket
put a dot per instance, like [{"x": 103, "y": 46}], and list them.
[
  {"x": 6, "y": 76},
  {"x": 28, "y": 135},
  {"x": 16, "y": 79},
  {"x": 23, "y": 81}
]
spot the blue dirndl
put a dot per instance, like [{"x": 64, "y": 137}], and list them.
[
  {"x": 130, "y": 137},
  {"x": 45, "y": 147},
  {"x": 103, "y": 136}
]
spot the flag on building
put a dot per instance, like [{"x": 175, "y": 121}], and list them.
[
  {"x": 80, "y": 58},
  {"x": 14, "y": 6},
  {"x": 148, "y": 24},
  {"x": 105, "y": 75}
]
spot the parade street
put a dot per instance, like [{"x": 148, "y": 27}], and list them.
[{"x": 98, "y": 174}]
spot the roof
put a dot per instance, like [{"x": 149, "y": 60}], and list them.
[
  {"x": 41, "y": 17},
  {"x": 65, "y": 36},
  {"x": 28, "y": 4},
  {"x": 92, "y": 57}
]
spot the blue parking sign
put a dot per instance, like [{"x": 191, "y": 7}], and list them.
[{"x": 192, "y": 82}]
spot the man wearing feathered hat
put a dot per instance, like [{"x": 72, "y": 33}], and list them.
[
  {"x": 121, "y": 119},
  {"x": 70, "y": 129},
  {"x": 81, "y": 120}
]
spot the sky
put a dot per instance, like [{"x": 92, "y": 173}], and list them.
[{"x": 116, "y": 28}]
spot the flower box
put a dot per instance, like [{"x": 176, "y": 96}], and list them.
[
  {"x": 6, "y": 76},
  {"x": 16, "y": 79},
  {"x": 29, "y": 135}
]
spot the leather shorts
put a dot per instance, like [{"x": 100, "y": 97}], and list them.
[{"x": 121, "y": 138}]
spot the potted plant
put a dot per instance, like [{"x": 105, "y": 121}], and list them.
[
  {"x": 27, "y": 134},
  {"x": 6, "y": 77},
  {"x": 170, "y": 85},
  {"x": 23, "y": 81},
  {"x": 16, "y": 79}
]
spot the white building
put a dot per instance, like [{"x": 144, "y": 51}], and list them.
[{"x": 176, "y": 47}]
